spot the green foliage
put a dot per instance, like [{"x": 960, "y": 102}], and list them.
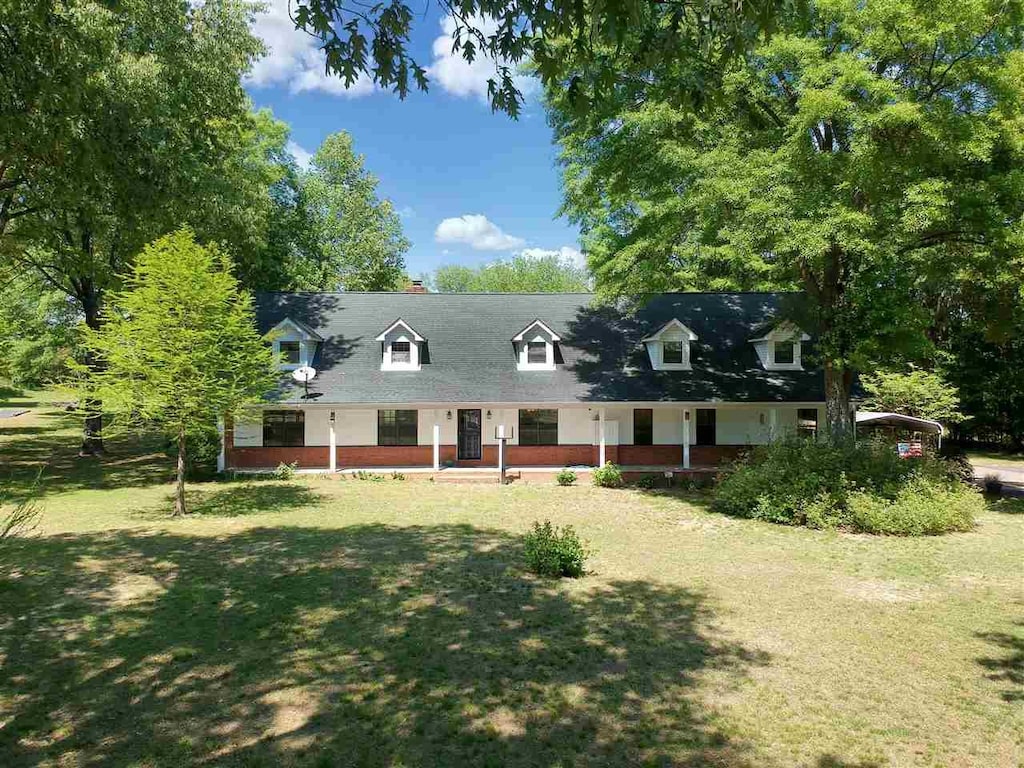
[
  {"x": 917, "y": 393},
  {"x": 922, "y": 507},
  {"x": 865, "y": 153},
  {"x": 806, "y": 482},
  {"x": 203, "y": 449},
  {"x": 520, "y": 274},
  {"x": 39, "y": 331},
  {"x": 285, "y": 471},
  {"x": 646, "y": 482},
  {"x": 553, "y": 551},
  {"x": 374, "y": 41},
  {"x": 565, "y": 477},
  {"x": 608, "y": 476},
  {"x": 18, "y": 516},
  {"x": 358, "y": 237},
  {"x": 178, "y": 344},
  {"x": 372, "y": 477}
]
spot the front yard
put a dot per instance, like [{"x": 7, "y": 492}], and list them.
[{"x": 328, "y": 622}]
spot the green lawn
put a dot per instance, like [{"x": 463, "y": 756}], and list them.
[
  {"x": 1003, "y": 460},
  {"x": 327, "y": 622}
]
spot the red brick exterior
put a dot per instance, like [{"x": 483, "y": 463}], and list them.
[
  {"x": 712, "y": 455},
  {"x": 549, "y": 455},
  {"x": 307, "y": 457},
  {"x": 650, "y": 455}
]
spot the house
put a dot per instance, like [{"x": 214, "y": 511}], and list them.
[{"x": 426, "y": 379}]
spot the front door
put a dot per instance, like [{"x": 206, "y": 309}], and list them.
[{"x": 469, "y": 433}]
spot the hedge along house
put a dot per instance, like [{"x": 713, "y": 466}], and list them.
[{"x": 425, "y": 380}]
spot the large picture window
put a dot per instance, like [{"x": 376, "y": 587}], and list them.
[
  {"x": 284, "y": 429},
  {"x": 643, "y": 426},
  {"x": 538, "y": 426},
  {"x": 289, "y": 352},
  {"x": 397, "y": 427},
  {"x": 706, "y": 426}
]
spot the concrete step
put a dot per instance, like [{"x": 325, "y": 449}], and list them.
[{"x": 479, "y": 478}]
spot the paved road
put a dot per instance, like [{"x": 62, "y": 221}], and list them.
[{"x": 1013, "y": 479}]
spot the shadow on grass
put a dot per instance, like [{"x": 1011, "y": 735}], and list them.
[
  {"x": 1007, "y": 505},
  {"x": 831, "y": 761},
  {"x": 369, "y": 645},
  {"x": 1008, "y": 667},
  {"x": 247, "y": 499}
]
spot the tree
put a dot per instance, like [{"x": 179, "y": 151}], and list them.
[
  {"x": 372, "y": 41},
  {"x": 919, "y": 393},
  {"x": 179, "y": 345},
  {"x": 861, "y": 151},
  {"x": 117, "y": 122},
  {"x": 520, "y": 274},
  {"x": 356, "y": 236}
]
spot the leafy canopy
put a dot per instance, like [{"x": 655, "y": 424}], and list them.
[
  {"x": 919, "y": 393},
  {"x": 520, "y": 274}
]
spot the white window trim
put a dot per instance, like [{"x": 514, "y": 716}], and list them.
[
  {"x": 287, "y": 330},
  {"x": 765, "y": 346},
  {"x": 656, "y": 346},
  {"x": 409, "y": 335},
  {"x": 522, "y": 347},
  {"x": 796, "y": 365}
]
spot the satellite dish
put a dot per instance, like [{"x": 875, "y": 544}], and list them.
[{"x": 304, "y": 374}]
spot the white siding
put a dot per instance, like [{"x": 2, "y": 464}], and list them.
[
  {"x": 318, "y": 427},
  {"x": 355, "y": 427},
  {"x": 668, "y": 426},
  {"x": 507, "y": 416},
  {"x": 575, "y": 426},
  {"x": 249, "y": 432}
]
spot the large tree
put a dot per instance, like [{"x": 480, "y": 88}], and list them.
[
  {"x": 179, "y": 346},
  {"x": 861, "y": 151},
  {"x": 521, "y": 274},
  {"x": 356, "y": 237},
  {"x": 117, "y": 122}
]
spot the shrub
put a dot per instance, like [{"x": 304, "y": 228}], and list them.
[
  {"x": 608, "y": 476},
  {"x": 202, "y": 450},
  {"x": 923, "y": 507},
  {"x": 959, "y": 467},
  {"x": 993, "y": 485},
  {"x": 286, "y": 471},
  {"x": 646, "y": 482},
  {"x": 565, "y": 477},
  {"x": 552, "y": 551},
  {"x": 805, "y": 482},
  {"x": 398, "y": 476}
]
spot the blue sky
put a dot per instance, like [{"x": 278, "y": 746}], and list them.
[{"x": 471, "y": 186}]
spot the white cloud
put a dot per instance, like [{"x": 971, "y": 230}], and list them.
[
  {"x": 457, "y": 76},
  {"x": 476, "y": 231},
  {"x": 566, "y": 253},
  {"x": 302, "y": 156},
  {"x": 294, "y": 59}
]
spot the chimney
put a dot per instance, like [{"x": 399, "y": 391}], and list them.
[{"x": 416, "y": 286}]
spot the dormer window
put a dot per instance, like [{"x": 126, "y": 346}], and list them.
[
  {"x": 669, "y": 348},
  {"x": 780, "y": 348},
  {"x": 536, "y": 347},
  {"x": 294, "y": 343},
  {"x": 402, "y": 348}
]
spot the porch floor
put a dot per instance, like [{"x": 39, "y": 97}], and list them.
[{"x": 456, "y": 470}]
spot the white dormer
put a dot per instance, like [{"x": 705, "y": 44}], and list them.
[
  {"x": 294, "y": 343},
  {"x": 669, "y": 348},
  {"x": 779, "y": 349},
  {"x": 401, "y": 347},
  {"x": 535, "y": 347}
]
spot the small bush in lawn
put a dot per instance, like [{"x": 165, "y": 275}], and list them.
[
  {"x": 646, "y": 482},
  {"x": 552, "y": 551},
  {"x": 286, "y": 471},
  {"x": 608, "y": 476},
  {"x": 565, "y": 477},
  {"x": 923, "y": 507}
]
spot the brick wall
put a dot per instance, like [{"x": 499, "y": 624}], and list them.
[
  {"x": 715, "y": 454},
  {"x": 307, "y": 457},
  {"x": 550, "y": 455},
  {"x": 650, "y": 455}
]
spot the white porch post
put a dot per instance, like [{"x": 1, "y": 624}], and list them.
[
  {"x": 333, "y": 459},
  {"x": 602, "y": 441},
  {"x": 437, "y": 443},
  {"x": 686, "y": 438},
  {"x": 221, "y": 461},
  {"x": 773, "y": 423}
]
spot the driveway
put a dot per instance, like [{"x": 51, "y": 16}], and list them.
[{"x": 1013, "y": 479}]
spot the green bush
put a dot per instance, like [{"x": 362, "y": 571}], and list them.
[
  {"x": 608, "y": 476},
  {"x": 646, "y": 482},
  {"x": 202, "y": 448},
  {"x": 286, "y": 471},
  {"x": 565, "y": 477},
  {"x": 805, "y": 482},
  {"x": 552, "y": 551},
  {"x": 923, "y": 507}
]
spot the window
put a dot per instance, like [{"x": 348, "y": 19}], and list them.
[
  {"x": 672, "y": 353},
  {"x": 643, "y": 426},
  {"x": 289, "y": 352},
  {"x": 785, "y": 353},
  {"x": 397, "y": 427},
  {"x": 538, "y": 427},
  {"x": 807, "y": 422},
  {"x": 536, "y": 353},
  {"x": 284, "y": 429},
  {"x": 706, "y": 426},
  {"x": 401, "y": 352}
]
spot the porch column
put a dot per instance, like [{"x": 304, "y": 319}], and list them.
[
  {"x": 773, "y": 423},
  {"x": 222, "y": 460},
  {"x": 601, "y": 450},
  {"x": 333, "y": 459},
  {"x": 686, "y": 438},
  {"x": 437, "y": 443}
]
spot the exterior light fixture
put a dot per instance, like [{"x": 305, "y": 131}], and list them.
[
  {"x": 488, "y": 415},
  {"x": 686, "y": 415},
  {"x": 332, "y": 417},
  {"x": 449, "y": 416}
]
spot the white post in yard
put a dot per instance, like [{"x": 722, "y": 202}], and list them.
[
  {"x": 773, "y": 423},
  {"x": 437, "y": 444},
  {"x": 501, "y": 452},
  {"x": 601, "y": 450},
  {"x": 221, "y": 460},
  {"x": 333, "y": 460},
  {"x": 686, "y": 438}
]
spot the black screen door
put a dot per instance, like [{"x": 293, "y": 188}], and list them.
[
  {"x": 706, "y": 426},
  {"x": 469, "y": 433}
]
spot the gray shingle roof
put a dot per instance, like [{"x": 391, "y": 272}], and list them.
[{"x": 472, "y": 359}]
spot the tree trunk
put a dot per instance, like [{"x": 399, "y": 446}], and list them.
[
  {"x": 92, "y": 436},
  {"x": 838, "y": 382},
  {"x": 179, "y": 495}
]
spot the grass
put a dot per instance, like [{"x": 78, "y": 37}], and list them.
[
  {"x": 329, "y": 622},
  {"x": 997, "y": 459}
]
